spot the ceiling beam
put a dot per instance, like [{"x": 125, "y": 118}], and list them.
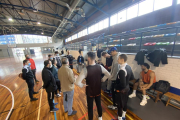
[
  {"x": 37, "y": 13},
  {"x": 95, "y": 6},
  {"x": 42, "y": 25},
  {"x": 58, "y": 3},
  {"x": 67, "y": 16},
  {"x": 30, "y": 21},
  {"x": 47, "y": 13},
  {"x": 90, "y": 16}
]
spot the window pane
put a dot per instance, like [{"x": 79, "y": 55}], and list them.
[
  {"x": 106, "y": 22},
  {"x": 178, "y": 1},
  {"x": 79, "y": 34},
  {"x": 96, "y": 27},
  {"x": 89, "y": 30},
  {"x": 92, "y": 29},
  {"x": 113, "y": 19},
  {"x": 159, "y": 4},
  {"x": 75, "y": 36},
  {"x": 69, "y": 39},
  {"x": 84, "y": 32},
  {"x": 132, "y": 12},
  {"x": 100, "y": 25},
  {"x": 145, "y": 7},
  {"x": 122, "y": 16}
]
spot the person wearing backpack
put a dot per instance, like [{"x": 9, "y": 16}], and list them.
[
  {"x": 70, "y": 58},
  {"x": 80, "y": 62},
  {"x": 27, "y": 75},
  {"x": 147, "y": 81},
  {"x": 58, "y": 59}
]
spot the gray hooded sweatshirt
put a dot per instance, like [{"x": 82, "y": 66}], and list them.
[{"x": 115, "y": 67}]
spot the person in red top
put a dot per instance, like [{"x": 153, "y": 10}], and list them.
[
  {"x": 147, "y": 81},
  {"x": 33, "y": 66}
]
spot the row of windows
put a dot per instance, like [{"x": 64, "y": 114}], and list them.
[
  {"x": 20, "y": 39},
  {"x": 143, "y": 7}
]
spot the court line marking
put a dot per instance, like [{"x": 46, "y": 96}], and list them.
[
  {"x": 108, "y": 111},
  {"x": 112, "y": 103},
  {"x": 40, "y": 104},
  {"x": 54, "y": 113},
  {"x": 12, "y": 101},
  {"x": 85, "y": 114}
]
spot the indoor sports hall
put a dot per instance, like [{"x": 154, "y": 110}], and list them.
[{"x": 89, "y": 60}]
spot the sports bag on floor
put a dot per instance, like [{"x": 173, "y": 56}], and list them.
[{"x": 163, "y": 86}]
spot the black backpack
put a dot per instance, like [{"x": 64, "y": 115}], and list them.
[
  {"x": 59, "y": 64},
  {"x": 163, "y": 86}
]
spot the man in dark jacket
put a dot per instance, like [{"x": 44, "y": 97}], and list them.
[
  {"x": 49, "y": 84},
  {"x": 122, "y": 85},
  {"x": 70, "y": 58},
  {"x": 80, "y": 62},
  {"x": 29, "y": 77}
]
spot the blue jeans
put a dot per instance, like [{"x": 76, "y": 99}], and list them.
[{"x": 68, "y": 104}]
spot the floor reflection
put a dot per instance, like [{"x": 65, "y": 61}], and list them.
[{"x": 13, "y": 65}]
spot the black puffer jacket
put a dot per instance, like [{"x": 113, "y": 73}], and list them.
[
  {"x": 27, "y": 74},
  {"x": 49, "y": 81}
]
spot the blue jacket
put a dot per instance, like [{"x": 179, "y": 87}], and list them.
[{"x": 55, "y": 73}]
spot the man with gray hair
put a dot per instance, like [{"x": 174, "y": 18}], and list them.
[{"x": 67, "y": 78}]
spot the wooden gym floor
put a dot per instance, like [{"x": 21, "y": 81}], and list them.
[{"x": 39, "y": 110}]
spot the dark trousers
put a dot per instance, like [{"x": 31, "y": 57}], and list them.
[
  {"x": 58, "y": 83},
  {"x": 113, "y": 93},
  {"x": 122, "y": 99},
  {"x": 34, "y": 73},
  {"x": 90, "y": 106},
  {"x": 50, "y": 99},
  {"x": 30, "y": 84},
  {"x": 71, "y": 66}
]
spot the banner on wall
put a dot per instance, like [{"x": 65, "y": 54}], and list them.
[
  {"x": 11, "y": 40},
  {"x": 8, "y": 40}
]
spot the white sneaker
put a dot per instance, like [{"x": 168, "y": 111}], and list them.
[
  {"x": 112, "y": 107},
  {"x": 147, "y": 97},
  {"x": 119, "y": 118},
  {"x": 100, "y": 118},
  {"x": 143, "y": 102},
  {"x": 132, "y": 95},
  {"x": 58, "y": 95}
]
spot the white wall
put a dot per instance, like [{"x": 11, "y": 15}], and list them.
[
  {"x": 6, "y": 52},
  {"x": 169, "y": 72}
]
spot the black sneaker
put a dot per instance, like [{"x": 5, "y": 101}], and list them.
[
  {"x": 34, "y": 99},
  {"x": 55, "y": 104},
  {"x": 73, "y": 113},
  {"x": 54, "y": 110},
  {"x": 35, "y": 92}
]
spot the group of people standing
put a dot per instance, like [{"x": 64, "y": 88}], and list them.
[{"x": 58, "y": 76}]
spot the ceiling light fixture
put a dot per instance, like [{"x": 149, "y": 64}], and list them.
[
  {"x": 10, "y": 19},
  {"x": 38, "y": 23},
  {"x": 42, "y": 33},
  {"x": 35, "y": 10}
]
